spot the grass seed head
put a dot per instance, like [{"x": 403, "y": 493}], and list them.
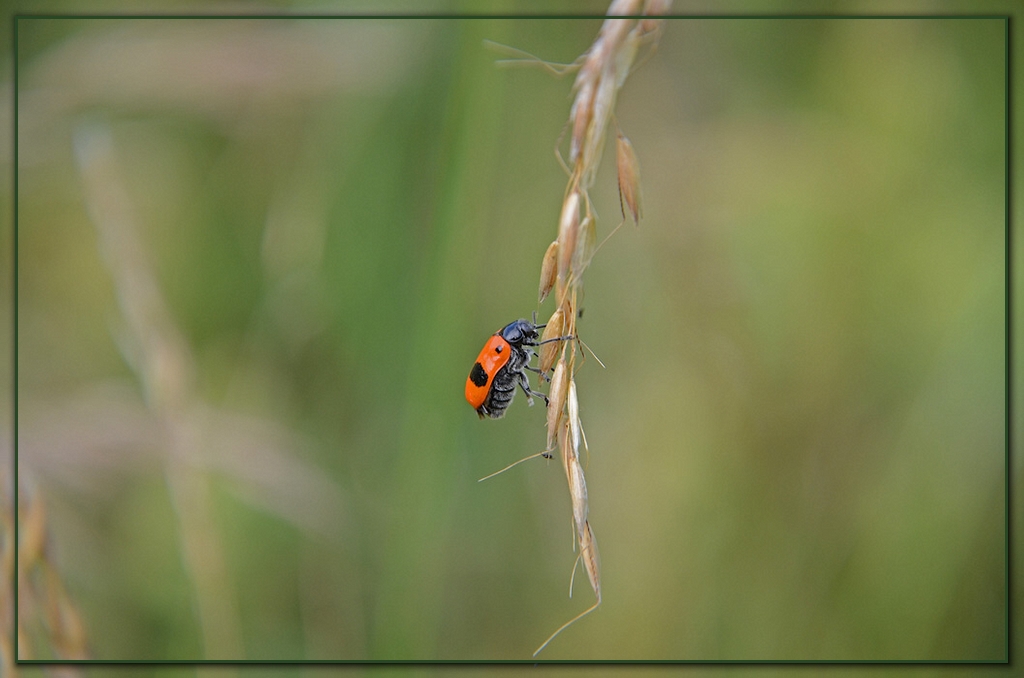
[
  {"x": 585, "y": 243},
  {"x": 603, "y": 69},
  {"x": 591, "y": 561},
  {"x": 568, "y": 231},
  {"x": 573, "y": 410},
  {"x": 549, "y": 351},
  {"x": 629, "y": 178},
  {"x": 578, "y": 493},
  {"x": 574, "y": 476},
  {"x": 556, "y": 400},
  {"x": 582, "y": 109},
  {"x": 564, "y": 449},
  {"x": 548, "y": 271}
]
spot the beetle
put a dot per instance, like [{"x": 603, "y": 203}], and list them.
[{"x": 501, "y": 365}]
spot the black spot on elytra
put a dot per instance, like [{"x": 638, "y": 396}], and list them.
[
  {"x": 477, "y": 375},
  {"x": 498, "y": 348}
]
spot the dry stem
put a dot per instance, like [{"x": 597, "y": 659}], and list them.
[
  {"x": 48, "y": 620},
  {"x": 160, "y": 357},
  {"x": 602, "y": 72}
]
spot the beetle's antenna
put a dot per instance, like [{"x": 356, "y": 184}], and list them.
[{"x": 548, "y": 341}]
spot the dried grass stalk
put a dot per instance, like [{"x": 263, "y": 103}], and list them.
[
  {"x": 46, "y": 612},
  {"x": 162, "y": 362},
  {"x": 602, "y": 72}
]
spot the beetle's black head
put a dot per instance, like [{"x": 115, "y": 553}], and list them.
[{"x": 520, "y": 332}]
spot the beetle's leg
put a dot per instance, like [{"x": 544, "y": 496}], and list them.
[{"x": 525, "y": 384}]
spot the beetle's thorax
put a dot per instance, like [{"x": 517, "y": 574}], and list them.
[{"x": 519, "y": 332}]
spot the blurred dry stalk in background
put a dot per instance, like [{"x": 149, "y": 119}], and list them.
[
  {"x": 88, "y": 438},
  {"x": 602, "y": 72},
  {"x": 160, "y": 358},
  {"x": 48, "y": 624},
  {"x": 192, "y": 436}
]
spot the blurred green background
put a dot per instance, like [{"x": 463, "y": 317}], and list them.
[{"x": 258, "y": 257}]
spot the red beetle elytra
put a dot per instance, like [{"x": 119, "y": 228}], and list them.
[{"x": 500, "y": 366}]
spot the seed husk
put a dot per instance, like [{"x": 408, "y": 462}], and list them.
[
  {"x": 548, "y": 271},
  {"x": 549, "y": 351},
  {"x": 629, "y": 178}
]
